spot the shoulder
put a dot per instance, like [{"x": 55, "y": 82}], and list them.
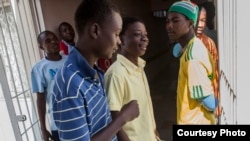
[
  {"x": 116, "y": 68},
  {"x": 211, "y": 42},
  {"x": 39, "y": 64},
  {"x": 64, "y": 57},
  {"x": 68, "y": 72},
  {"x": 199, "y": 49},
  {"x": 68, "y": 81},
  {"x": 116, "y": 72}
]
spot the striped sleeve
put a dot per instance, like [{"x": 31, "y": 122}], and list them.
[{"x": 200, "y": 73}]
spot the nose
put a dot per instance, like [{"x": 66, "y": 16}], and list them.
[
  {"x": 144, "y": 37},
  {"x": 118, "y": 41},
  {"x": 169, "y": 25},
  {"x": 67, "y": 31}
]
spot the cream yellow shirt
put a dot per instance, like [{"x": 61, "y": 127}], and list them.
[
  {"x": 194, "y": 81},
  {"x": 124, "y": 82}
]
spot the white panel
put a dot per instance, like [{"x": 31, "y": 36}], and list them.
[
  {"x": 243, "y": 64},
  {"x": 6, "y": 130},
  {"x": 227, "y": 59}
]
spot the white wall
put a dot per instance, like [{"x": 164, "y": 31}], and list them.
[
  {"x": 243, "y": 64},
  {"x": 233, "y": 29}
]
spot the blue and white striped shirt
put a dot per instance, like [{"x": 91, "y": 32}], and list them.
[{"x": 80, "y": 107}]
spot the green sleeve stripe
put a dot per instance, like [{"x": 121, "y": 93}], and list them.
[
  {"x": 201, "y": 91},
  {"x": 190, "y": 51},
  {"x": 197, "y": 92},
  {"x": 189, "y": 55}
]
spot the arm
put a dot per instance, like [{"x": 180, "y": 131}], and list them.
[
  {"x": 121, "y": 135},
  {"x": 216, "y": 82},
  {"x": 127, "y": 113},
  {"x": 215, "y": 57},
  {"x": 39, "y": 87},
  {"x": 41, "y": 107}
]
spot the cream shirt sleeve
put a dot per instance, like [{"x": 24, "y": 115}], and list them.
[
  {"x": 200, "y": 74},
  {"x": 114, "y": 86}
]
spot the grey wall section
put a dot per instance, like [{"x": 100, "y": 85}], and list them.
[{"x": 57, "y": 11}]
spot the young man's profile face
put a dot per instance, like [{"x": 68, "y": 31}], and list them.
[
  {"x": 177, "y": 25},
  {"x": 108, "y": 39}
]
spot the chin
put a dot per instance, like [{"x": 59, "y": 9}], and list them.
[
  {"x": 141, "y": 54},
  {"x": 172, "y": 39},
  {"x": 108, "y": 56}
]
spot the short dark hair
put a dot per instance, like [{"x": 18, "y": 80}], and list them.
[
  {"x": 92, "y": 10},
  {"x": 39, "y": 40},
  {"x": 128, "y": 21},
  {"x": 64, "y": 24},
  {"x": 210, "y": 9}
]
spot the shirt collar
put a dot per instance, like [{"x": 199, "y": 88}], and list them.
[
  {"x": 131, "y": 68},
  {"x": 81, "y": 64}
]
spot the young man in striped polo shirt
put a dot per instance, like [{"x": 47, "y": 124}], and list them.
[{"x": 80, "y": 108}]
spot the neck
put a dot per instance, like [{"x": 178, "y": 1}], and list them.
[
  {"x": 71, "y": 42},
  {"x": 53, "y": 57},
  {"x": 133, "y": 59},
  {"x": 186, "y": 38},
  {"x": 86, "y": 52}
]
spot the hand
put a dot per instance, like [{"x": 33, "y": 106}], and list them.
[
  {"x": 130, "y": 111},
  {"x": 46, "y": 135}
]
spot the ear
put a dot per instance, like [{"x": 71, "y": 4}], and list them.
[
  {"x": 94, "y": 30},
  {"x": 40, "y": 46},
  {"x": 191, "y": 25}
]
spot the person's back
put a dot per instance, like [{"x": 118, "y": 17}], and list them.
[{"x": 42, "y": 78}]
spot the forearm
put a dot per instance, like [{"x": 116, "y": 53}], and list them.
[
  {"x": 121, "y": 135},
  {"x": 41, "y": 107},
  {"x": 127, "y": 113}
]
